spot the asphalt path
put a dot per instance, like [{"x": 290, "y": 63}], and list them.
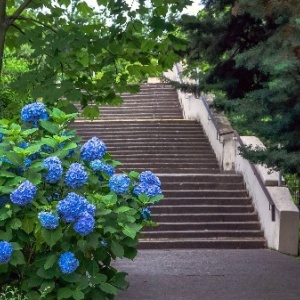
[{"x": 211, "y": 275}]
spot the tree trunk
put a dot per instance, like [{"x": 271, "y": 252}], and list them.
[{"x": 3, "y": 29}]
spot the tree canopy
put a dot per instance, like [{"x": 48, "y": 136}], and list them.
[
  {"x": 80, "y": 53},
  {"x": 249, "y": 51}
]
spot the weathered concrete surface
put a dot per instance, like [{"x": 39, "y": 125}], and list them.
[{"x": 211, "y": 275}]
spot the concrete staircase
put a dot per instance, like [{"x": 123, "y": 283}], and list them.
[{"x": 203, "y": 206}]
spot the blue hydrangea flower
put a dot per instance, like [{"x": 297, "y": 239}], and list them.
[
  {"x": 5, "y": 160},
  {"x": 92, "y": 149},
  {"x": 48, "y": 220},
  {"x": 23, "y": 145},
  {"x": 68, "y": 263},
  {"x": 24, "y": 194},
  {"x": 1, "y": 137},
  {"x": 149, "y": 178},
  {"x": 55, "y": 170},
  {"x": 73, "y": 207},
  {"x": 46, "y": 148},
  {"x": 34, "y": 112},
  {"x": 119, "y": 184},
  {"x": 85, "y": 224},
  {"x": 149, "y": 190},
  {"x": 145, "y": 213},
  {"x": 97, "y": 165},
  {"x": 35, "y": 155},
  {"x": 109, "y": 170},
  {"x": 6, "y": 250},
  {"x": 27, "y": 162},
  {"x": 76, "y": 176}
]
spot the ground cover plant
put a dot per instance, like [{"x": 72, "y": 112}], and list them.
[{"x": 64, "y": 212}]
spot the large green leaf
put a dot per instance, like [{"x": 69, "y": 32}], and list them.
[{"x": 51, "y": 237}]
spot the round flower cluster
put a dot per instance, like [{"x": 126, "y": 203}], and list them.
[
  {"x": 6, "y": 250},
  {"x": 55, "y": 170},
  {"x": 76, "y": 209},
  {"x": 119, "y": 184},
  {"x": 48, "y": 220},
  {"x": 68, "y": 263},
  {"x": 85, "y": 224},
  {"x": 149, "y": 184},
  {"x": 145, "y": 213},
  {"x": 34, "y": 112},
  {"x": 23, "y": 145},
  {"x": 149, "y": 178},
  {"x": 149, "y": 190},
  {"x": 92, "y": 149},
  {"x": 76, "y": 176},
  {"x": 1, "y": 137},
  {"x": 24, "y": 194},
  {"x": 73, "y": 206},
  {"x": 98, "y": 166},
  {"x": 27, "y": 162}
]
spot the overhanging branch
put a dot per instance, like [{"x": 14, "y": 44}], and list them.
[{"x": 18, "y": 11}]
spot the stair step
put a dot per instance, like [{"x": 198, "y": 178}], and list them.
[
  {"x": 196, "y": 243},
  {"x": 205, "y": 201},
  {"x": 177, "y": 225},
  {"x": 185, "y": 209},
  {"x": 205, "y": 217},
  {"x": 201, "y": 234},
  {"x": 205, "y": 193}
]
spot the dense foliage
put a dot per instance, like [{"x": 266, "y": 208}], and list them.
[
  {"x": 64, "y": 213},
  {"x": 81, "y": 53},
  {"x": 248, "y": 52}
]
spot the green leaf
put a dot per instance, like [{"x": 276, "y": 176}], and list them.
[
  {"x": 92, "y": 267},
  {"x": 47, "y": 287},
  {"x": 122, "y": 209},
  {"x": 17, "y": 258},
  {"x": 119, "y": 280},
  {"x": 50, "y": 127},
  {"x": 64, "y": 293},
  {"x": 51, "y": 237},
  {"x": 108, "y": 288},
  {"x": 46, "y": 274},
  {"x": 28, "y": 224},
  {"x": 5, "y": 213},
  {"x": 93, "y": 240},
  {"x": 7, "y": 174},
  {"x": 134, "y": 174},
  {"x": 156, "y": 198},
  {"x": 34, "y": 281},
  {"x": 16, "y": 246},
  {"x": 50, "y": 261},
  {"x": 78, "y": 295},
  {"x": 15, "y": 223},
  {"x": 131, "y": 230},
  {"x": 14, "y": 158},
  {"x": 91, "y": 112},
  {"x": 117, "y": 249},
  {"x": 28, "y": 132},
  {"x": 49, "y": 142}
]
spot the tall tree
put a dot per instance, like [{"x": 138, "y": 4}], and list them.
[
  {"x": 250, "y": 49},
  {"x": 71, "y": 41}
]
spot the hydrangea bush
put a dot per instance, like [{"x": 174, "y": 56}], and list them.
[{"x": 64, "y": 213}]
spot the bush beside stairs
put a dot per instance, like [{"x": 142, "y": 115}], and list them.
[{"x": 203, "y": 206}]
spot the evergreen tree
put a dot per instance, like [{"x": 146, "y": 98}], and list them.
[{"x": 251, "y": 51}]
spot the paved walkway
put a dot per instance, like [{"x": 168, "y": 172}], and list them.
[{"x": 211, "y": 275}]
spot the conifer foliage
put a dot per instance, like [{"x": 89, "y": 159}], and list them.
[{"x": 250, "y": 50}]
